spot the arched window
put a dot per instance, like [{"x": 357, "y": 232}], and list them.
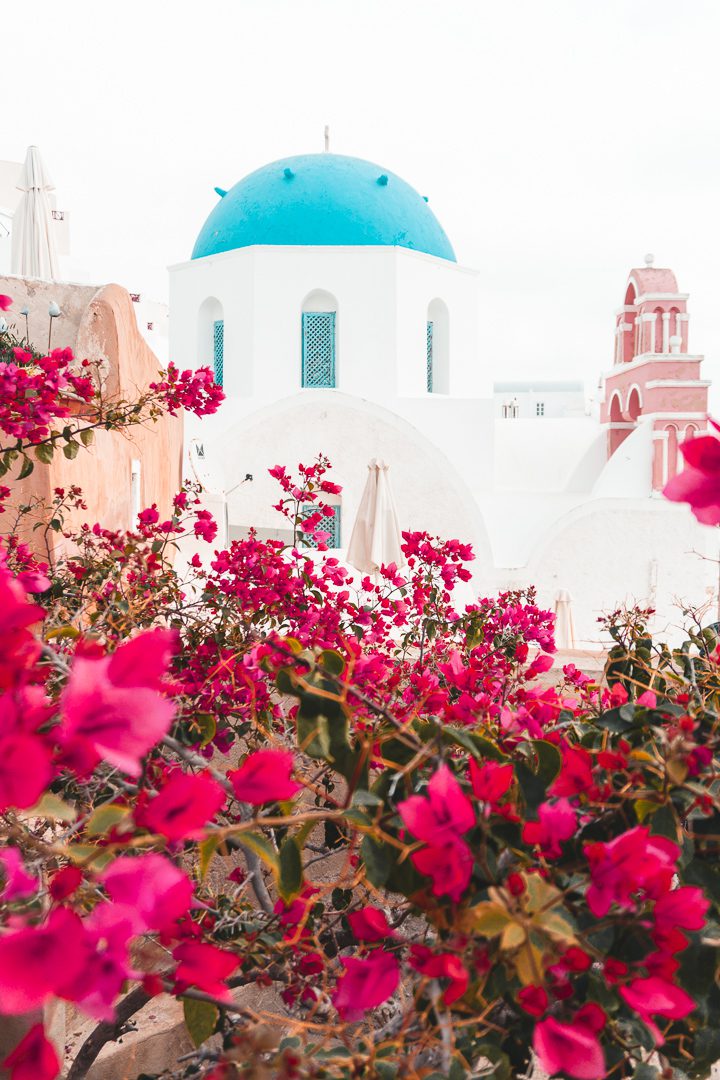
[
  {"x": 659, "y": 330},
  {"x": 319, "y": 340},
  {"x": 437, "y": 354},
  {"x": 675, "y": 325},
  {"x": 634, "y": 405},
  {"x": 211, "y": 338}
]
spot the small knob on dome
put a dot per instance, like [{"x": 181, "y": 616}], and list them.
[
  {"x": 382, "y": 180},
  {"x": 288, "y": 174},
  {"x": 649, "y": 260}
]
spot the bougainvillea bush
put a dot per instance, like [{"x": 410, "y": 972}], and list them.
[{"x": 272, "y": 774}]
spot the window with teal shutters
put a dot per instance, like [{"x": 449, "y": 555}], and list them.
[
  {"x": 429, "y": 357},
  {"x": 318, "y": 348},
  {"x": 218, "y": 349},
  {"x": 330, "y": 523}
]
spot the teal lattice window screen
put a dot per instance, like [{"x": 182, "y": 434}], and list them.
[
  {"x": 218, "y": 349},
  {"x": 330, "y": 523},
  {"x": 429, "y": 357},
  {"x": 318, "y": 348}
]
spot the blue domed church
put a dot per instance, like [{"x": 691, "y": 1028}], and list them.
[{"x": 328, "y": 298}]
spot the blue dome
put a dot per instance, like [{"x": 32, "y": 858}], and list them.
[{"x": 318, "y": 199}]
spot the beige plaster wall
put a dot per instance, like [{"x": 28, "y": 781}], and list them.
[{"x": 100, "y": 325}]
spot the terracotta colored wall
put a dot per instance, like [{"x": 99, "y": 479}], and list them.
[{"x": 99, "y": 324}]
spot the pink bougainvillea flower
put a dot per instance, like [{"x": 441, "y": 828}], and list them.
[
  {"x": 657, "y": 997},
  {"x": 5, "y": 302},
  {"x": 571, "y": 1049},
  {"x": 108, "y": 930},
  {"x": 205, "y": 526},
  {"x": 443, "y": 966},
  {"x": 152, "y": 889},
  {"x": 490, "y": 781},
  {"x": 65, "y": 882},
  {"x": 685, "y": 907},
  {"x": 16, "y": 881},
  {"x": 699, "y": 482},
  {"x": 35, "y": 961},
  {"x": 449, "y": 866},
  {"x": 35, "y": 1057},
  {"x": 533, "y": 999},
  {"x": 25, "y": 770},
  {"x": 183, "y": 806},
  {"x": 632, "y": 861},
  {"x": 648, "y": 700},
  {"x": 369, "y": 924},
  {"x": 264, "y": 776},
  {"x": 575, "y": 774},
  {"x": 205, "y": 967},
  {"x": 114, "y": 707},
  {"x": 444, "y": 815},
  {"x": 365, "y": 984},
  {"x": 556, "y": 823}
]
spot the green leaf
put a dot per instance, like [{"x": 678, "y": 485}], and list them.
[
  {"x": 207, "y": 849},
  {"x": 549, "y": 760},
  {"x": 262, "y": 847},
  {"x": 104, "y": 818},
  {"x": 645, "y": 1072},
  {"x": 71, "y": 450},
  {"x": 664, "y": 823},
  {"x": 44, "y": 452},
  {"x": 53, "y": 808},
  {"x": 378, "y": 861},
  {"x": 206, "y": 726},
  {"x": 27, "y": 467},
  {"x": 87, "y": 435},
  {"x": 480, "y": 748},
  {"x": 332, "y": 662},
  {"x": 201, "y": 1018},
  {"x": 290, "y": 878}
]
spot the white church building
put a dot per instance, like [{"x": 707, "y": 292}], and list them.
[{"x": 327, "y": 296}]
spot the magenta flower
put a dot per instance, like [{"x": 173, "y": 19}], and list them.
[
  {"x": 25, "y": 770},
  {"x": 35, "y": 961},
  {"x": 369, "y": 924},
  {"x": 685, "y": 907},
  {"x": 35, "y": 1057},
  {"x": 203, "y": 966},
  {"x": 365, "y": 984},
  {"x": 699, "y": 482},
  {"x": 490, "y": 781},
  {"x": 5, "y": 302},
  {"x": 183, "y": 806},
  {"x": 571, "y": 1049},
  {"x": 556, "y": 823},
  {"x": 205, "y": 526},
  {"x": 442, "y": 966},
  {"x": 17, "y": 881},
  {"x": 632, "y": 861},
  {"x": 264, "y": 776},
  {"x": 113, "y": 706},
  {"x": 655, "y": 996},
  {"x": 150, "y": 888},
  {"x": 445, "y": 814},
  {"x": 449, "y": 867}
]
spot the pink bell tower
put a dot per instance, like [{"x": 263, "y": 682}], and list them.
[{"x": 654, "y": 377}]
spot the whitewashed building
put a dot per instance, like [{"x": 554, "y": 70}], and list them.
[{"x": 327, "y": 296}]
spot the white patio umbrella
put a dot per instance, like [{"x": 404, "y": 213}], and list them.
[
  {"x": 33, "y": 236},
  {"x": 564, "y": 625},
  {"x": 376, "y": 538}
]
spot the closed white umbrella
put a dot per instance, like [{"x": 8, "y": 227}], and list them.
[
  {"x": 376, "y": 538},
  {"x": 33, "y": 236},
  {"x": 564, "y": 625}
]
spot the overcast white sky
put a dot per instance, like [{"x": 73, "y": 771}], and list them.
[{"x": 557, "y": 140}]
